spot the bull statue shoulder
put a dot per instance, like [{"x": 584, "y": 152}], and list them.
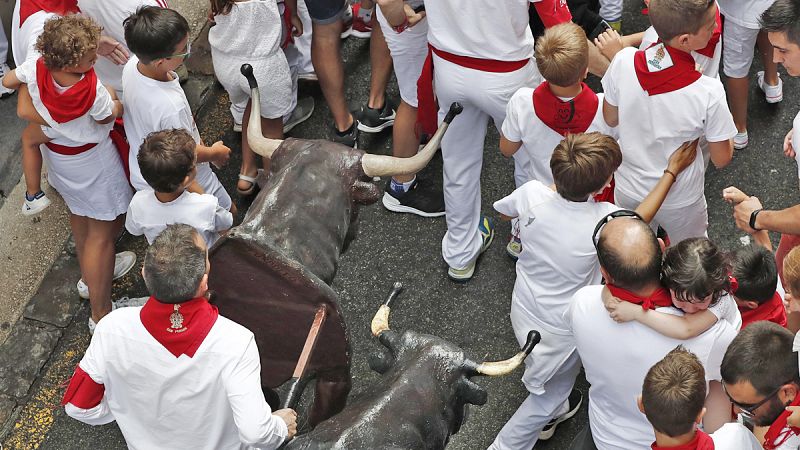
[
  {"x": 273, "y": 271},
  {"x": 419, "y": 400}
]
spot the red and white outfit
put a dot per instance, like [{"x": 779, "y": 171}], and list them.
[
  {"x": 111, "y": 15},
  {"x": 663, "y": 101},
  {"x": 481, "y": 70},
  {"x": 174, "y": 376},
  {"x": 741, "y": 32},
  {"x": 616, "y": 358},
  {"x": 149, "y": 216},
  {"x": 84, "y": 165},
  {"x": 557, "y": 259},
  {"x": 27, "y": 24},
  {"x": 409, "y": 49},
  {"x": 152, "y": 105}
]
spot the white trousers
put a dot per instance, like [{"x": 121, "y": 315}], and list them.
[
  {"x": 611, "y": 10},
  {"x": 484, "y": 96},
  {"x": 522, "y": 430},
  {"x": 680, "y": 223},
  {"x": 409, "y": 50},
  {"x": 3, "y": 44}
]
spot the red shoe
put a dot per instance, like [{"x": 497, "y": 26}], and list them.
[{"x": 360, "y": 29}]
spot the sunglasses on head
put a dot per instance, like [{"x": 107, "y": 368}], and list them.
[{"x": 608, "y": 218}]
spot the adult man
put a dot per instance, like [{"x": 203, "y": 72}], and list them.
[
  {"x": 174, "y": 374},
  {"x": 760, "y": 376},
  {"x": 615, "y": 356}
]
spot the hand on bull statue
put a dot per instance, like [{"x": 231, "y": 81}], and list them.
[{"x": 289, "y": 416}]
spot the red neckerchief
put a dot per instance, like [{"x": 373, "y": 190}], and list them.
[
  {"x": 701, "y": 441},
  {"x": 607, "y": 195},
  {"x": 181, "y": 327},
  {"x": 709, "y": 49},
  {"x": 680, "y": 74},
  {"x": 571, "y": 116},
  {"x": 72, "y": 103},
  {"x": 779, "y": 432},
  {"x": 28, "y": 8},
  {"x": 659, "y": 298},
  {"x": 772, "y": 310}
]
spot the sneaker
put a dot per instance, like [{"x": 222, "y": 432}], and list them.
[
  {"x": 773, "y": 94},
  {"x": 575, "y": 400},
  {"x": 347, "y": 21},
  {"x": 740, "y": 141},
  {"x": 301, "y": 112},
  {"x": 514, "y": 247},
  {"x": 359, "y": 27},
  {"x": 376, "y": 120},
  {"x": 308, "y": 76},
  {"x": 123, "y": 263},
  {"x": 421, "y": 200},
  {"x": 92, "y": 325},
  {"x": 350, "y": 139},
  {"x": 237, "y": 127},
  {"x": 127, "y": 302},
  {"x": 35, "y": 205},
  {"x": 486, "y": 229},
  {"x": 4, "y": 91}
]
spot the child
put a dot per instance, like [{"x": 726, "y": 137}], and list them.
[
  {"x": 538, "y": 119},
  {"x": 673, "y": 398},
  {"x": 154, "y": 99},
  {"x": 168, "y": 163},
  {"x": 659, "y": 100},
  {"x": 84, "y": 166},
  {"x": 756, "y": 276},
  {"x": 558, "y": 259}
]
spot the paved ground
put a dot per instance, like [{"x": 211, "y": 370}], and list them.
[{"x": 404, "y": 248}]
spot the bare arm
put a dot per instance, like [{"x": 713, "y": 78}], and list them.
[
  {"x": 680, "y": 160},
  {"x": 25, "y": 108},
  {"x": 598, "y": 63},
  {"x": 508, "y": 148},
  {"x": 11, "y": 81},
  {"x": 718, "y": 408},
  {"x": 676, "y": 327},
  {"x": 397, "y": 13},
  {"x": 783, "y": 221},
  {"x": 721, "y": 153},
  {"x": 218, "y": 153},
  {"x": 610, "y": 114},
  {"x": 297, "y": 24}
]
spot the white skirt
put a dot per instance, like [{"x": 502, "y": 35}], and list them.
[{"x": 93, "y": 183}]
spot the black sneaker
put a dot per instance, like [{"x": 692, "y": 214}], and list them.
[
  {"x": 420, "y": 199},
  {"x": 349, "y": 139},
  {"x": 376, "y": 120},
  {"x": 575, "y": 400}
]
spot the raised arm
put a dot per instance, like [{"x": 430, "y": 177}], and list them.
[{"x": 680, "y": 160}]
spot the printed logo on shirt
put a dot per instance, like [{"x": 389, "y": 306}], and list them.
[
  {"x": 531, "y": 219},
  {"x": 657, "y": 58}
]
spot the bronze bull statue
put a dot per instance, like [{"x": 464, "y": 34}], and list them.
[{"x": 273, "y": 271}]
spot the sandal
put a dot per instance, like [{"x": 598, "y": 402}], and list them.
[{"x": 251, "y": 180}]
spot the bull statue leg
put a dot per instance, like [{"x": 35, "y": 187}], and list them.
[{"x": 330, "y": 395}]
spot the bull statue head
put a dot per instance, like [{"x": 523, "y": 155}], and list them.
[{"x": 419, "y": 400}]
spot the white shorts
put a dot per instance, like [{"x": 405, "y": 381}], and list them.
[
  {"x": 738, "y": 43},
  {"x": 409, "y": 50},
  {"x": 680, "y": 223}
]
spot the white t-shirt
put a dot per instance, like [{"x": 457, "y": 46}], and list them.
[
  {"x": 796, "y": 141},
  {"x": 616, "y": 358},
  {"x": 539, "y": 140},
  {"x": 212, "y": 400},
  {"x": 734, "y": 436},
  {"x": 23, "y": 39},
  {"x": 744, "y": 12},
  {"x": 149, "y": 216},
  {"x": 651, "y": 128},
  {"x": 726, "y": 310},
  {"x": 496, "y": 31},
  {"x": 707, "y": 66}
]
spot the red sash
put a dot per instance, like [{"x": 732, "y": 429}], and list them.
[
  {"x": 553, "y": 12},
  {"x": 428, "y": 108},
  {"x": 571, "y": 116},
  {"x": 72, "y": 103},
  {"x": 182, "y": 327},
  {"x": 779, "y": 432},
  {"x": 771, "y": 310},
  {"x": 120, "y": 140},
  {"x": 83, "y": 391},
  {"x": 664, "y": 77},
  {"x": 69, "y": 151},
  {"x": 28, "y": 8},
  {"x": 709, "y": 49},
  {"x": 701, "y": 441},
  {"x": 659, "y": 298}
]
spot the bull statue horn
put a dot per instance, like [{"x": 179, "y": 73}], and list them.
[
  {"x": 380, "y": 322},
  {"x": 380, "y": 165},
  {"x": 497, "y": 368},
  {"x": 258, "y": 143}
]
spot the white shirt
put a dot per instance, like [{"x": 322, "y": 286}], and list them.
[
  {"x": 651, "y": 128},
  {"x": 210, "y": 401},
  {"x": 726, "y": 310},
  {"x": 23, "y": 39},
  {"x": 796, "y": 141},
  {"x": 616, "y": 358},
  {"x": 734, "y": 436},
  {"x": 539, "y": 140},
  {"x": 149, "y": 216},
  {"x": 496, "y": 31},
  {"x": 744, "y": 12},
  {"x": 707, "y": 66}
]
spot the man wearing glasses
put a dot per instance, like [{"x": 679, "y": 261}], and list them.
[{"x": 760, "y": 377}]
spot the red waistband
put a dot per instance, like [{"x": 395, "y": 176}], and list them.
[
  {"x": 69, "y": 151},
  {"x": 484, "y": 65}
]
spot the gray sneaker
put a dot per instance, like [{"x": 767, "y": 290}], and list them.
[{"x": 301, "y": 113}]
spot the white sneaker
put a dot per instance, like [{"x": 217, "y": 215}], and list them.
[
  {"x": 740, "y": 141},
  {"x": 92, "y": 325},
  {"x": 773, "y": 94},
  {"x": 127, "y": 302},
  {"x": 237, "y": 127},
  {"x": 4, "y": 91},
  {"x": 123, "y": 263},
  {"x": 35, "y": 206}
]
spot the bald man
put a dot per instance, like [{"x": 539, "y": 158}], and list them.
[{"x": 617, "y": 356}]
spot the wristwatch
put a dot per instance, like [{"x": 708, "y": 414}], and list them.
[{"x": 753, "y": 216}]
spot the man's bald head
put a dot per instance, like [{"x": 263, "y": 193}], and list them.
[{"x": 629, "y": 252}]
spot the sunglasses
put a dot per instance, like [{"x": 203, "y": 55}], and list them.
[
  {"x": 184, "y": 54},
  {"x": 608, "y": 218},
  {"x": 748, "y": 409}
]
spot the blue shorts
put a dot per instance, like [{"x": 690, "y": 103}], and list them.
[{"x": 325, "y": 12}]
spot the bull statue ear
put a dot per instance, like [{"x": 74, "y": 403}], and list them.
[{"x": 471, "y": 393}]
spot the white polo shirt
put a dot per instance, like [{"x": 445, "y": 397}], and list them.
[
  {"x": 539, "y": 140},
  {"x": 651, "y": 128},
  {"x": 734, "y": 436},
  {"x": 744, "y": 12},
  {"x": 707, "y": 66},
  {"x": 616, "y": 358}
]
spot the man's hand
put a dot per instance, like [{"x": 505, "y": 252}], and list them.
[
  {"x": 788, "y": 149},
  {"x": 297, "y": 25},
  {"x": 609, "y": 43},
  {"x": 734, "y": 195},
  {"x": 412, "y": 16},
  {"x": 109, "y": 48},
  {"x": 221, "y": 153},
  {"x": 289, "y": 416},
  {"x": 742, "y": 212},
  {"x": 683, "y": 157},
  {"x": 794, "y": 419}
]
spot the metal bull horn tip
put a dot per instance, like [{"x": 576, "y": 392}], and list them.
[
  {"x": 381, "y": 165},
  {"x": 496, "y": 368},
  {"x": 258, "y": 143},
  {"x": 380, "y": 322}
]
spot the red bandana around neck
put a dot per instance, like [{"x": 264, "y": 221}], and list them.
[
  {"x": 182, "y": 327},
  {"x": 709, "y": 49},
  {"x": 76, "y": 101},
  {"x": 28, "y": 8},
  {"x": 701, "y": 441},
  {"x": 771, "y": 310},
  {"x": 661, "y": 69},
  {"x": 659, "y": 298},
  {"x": 571, "y": 116},
  {"x": 779, "y": 432}
]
